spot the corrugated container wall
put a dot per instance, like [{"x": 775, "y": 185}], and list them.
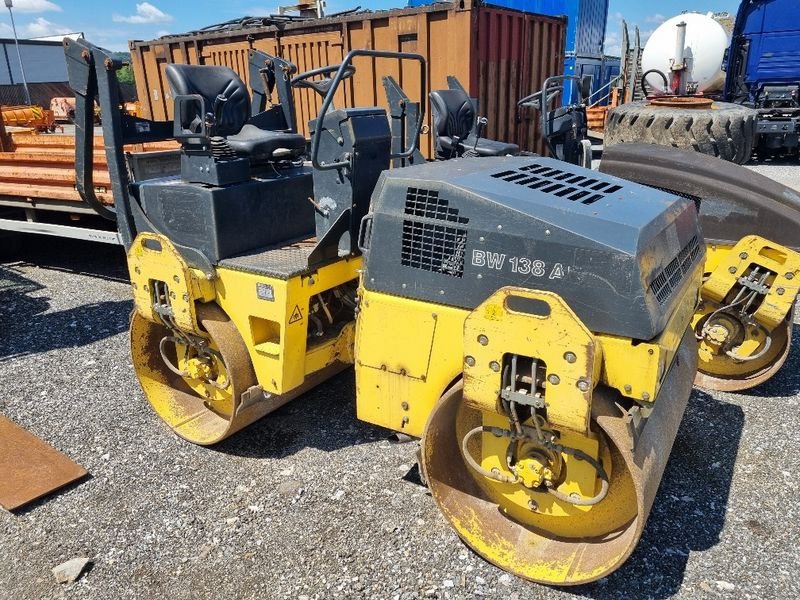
[
  {"x": 586, "y": 20},
  {"x": 499, "y": 54},
  {"x": 590, "y": 29}
]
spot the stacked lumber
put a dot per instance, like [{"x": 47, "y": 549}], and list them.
[
  {"x": 42, "y": 167},
  {"x": 596, "y": 117}
]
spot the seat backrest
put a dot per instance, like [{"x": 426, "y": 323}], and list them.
[
  {"x": 453, "y": 113},
  {"x": 210, "y": 82}
]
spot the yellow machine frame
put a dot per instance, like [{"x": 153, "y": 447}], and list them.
[
  {"x": 442, "y": 377},
  {"x": 398, "y": 384},
  {"x": 269, "y": 313}
]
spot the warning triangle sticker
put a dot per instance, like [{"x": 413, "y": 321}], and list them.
[{"x": 296, "y": 315}]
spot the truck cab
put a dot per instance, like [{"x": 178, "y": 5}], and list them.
[{"x": 763, "y": 69}]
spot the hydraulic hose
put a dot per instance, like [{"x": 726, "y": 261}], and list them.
[{"x": 495, "y": 474}]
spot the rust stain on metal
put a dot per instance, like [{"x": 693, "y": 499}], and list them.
[
  {"x": 29, "y": 468},
  {"x": 681, "y": 102}
]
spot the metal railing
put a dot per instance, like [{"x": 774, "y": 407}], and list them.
[{"x": 609, "y": 85}]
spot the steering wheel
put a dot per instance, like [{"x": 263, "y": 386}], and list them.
[{"x": 321, "y": 86}]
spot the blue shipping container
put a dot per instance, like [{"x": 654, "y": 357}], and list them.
[
  {"x": 581, "y": 66},
  {"x": 601, "y": 70}
]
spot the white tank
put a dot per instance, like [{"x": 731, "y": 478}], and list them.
[{"x": 706, "y": 41}]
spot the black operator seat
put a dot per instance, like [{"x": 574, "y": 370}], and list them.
[
  {"x": 453, "y": 119},
  {"x": 215, "y": 82}
]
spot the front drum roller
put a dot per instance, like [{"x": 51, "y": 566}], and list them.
[
  {"x": 524, "y": 546},
  {"x": 203, "y": 409}
]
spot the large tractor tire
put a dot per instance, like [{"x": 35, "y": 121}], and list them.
[{"x": 724, "y": 130}]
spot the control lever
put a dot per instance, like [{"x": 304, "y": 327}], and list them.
[
  {"x": 480, "y": 124},
  {"x": 219, "y": 106},
  {"x": 267, "y": 75}
]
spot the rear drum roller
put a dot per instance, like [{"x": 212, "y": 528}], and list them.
[
  {"x": 196, "y": 393},
  {"x": 723, "y": 365},
  {"x": 536, "y": 535}
]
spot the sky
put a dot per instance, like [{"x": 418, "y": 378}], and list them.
[{"x": 112, "y": 24}]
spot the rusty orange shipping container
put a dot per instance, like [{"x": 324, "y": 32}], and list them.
[{"x": 499, "y": 54}]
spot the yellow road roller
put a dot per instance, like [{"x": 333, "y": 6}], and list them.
[
  {"x": 531, "y": 320},
  {"x": 243, "y": 257},
  {"x": 536, "y": 347},
  {"x": 744, "y": 324}
]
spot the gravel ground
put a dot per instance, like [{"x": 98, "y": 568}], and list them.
[
  {"x": 310, "y": 502},
  {"x": 785, "y": 170}
]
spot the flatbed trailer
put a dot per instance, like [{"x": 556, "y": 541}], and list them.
[{"x": 38, "y": 186}]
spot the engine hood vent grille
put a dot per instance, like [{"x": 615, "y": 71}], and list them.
[
  {"x": 669, "y": 279},
  {"x": 428, "y": 204},
  {"x": 430, "y": 246},
  {"x": 558, "y": 183}
]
